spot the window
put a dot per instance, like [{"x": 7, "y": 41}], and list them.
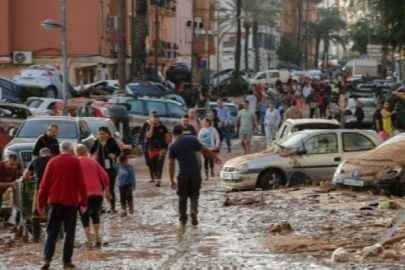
[
  {"x": 34, "y": 103},
  {"x": 283, "y": 131},
  {"x": 274, "y": 75},
  {"x": 5, "y": 84},
  {"x": 158, "y": 107},
  {"x": 262, "y": 76},
  {"x": 136, "y": 107},
  {"x": 176, "y": 111},
  {"x": 322, "y": 144},
  {"x": 356, "y": 142}
]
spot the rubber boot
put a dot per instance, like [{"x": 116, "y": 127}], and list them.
[
  {"x": 36, "y": 229},
  {"x": 131, "y": 207},
  {"x": 124, "y": 210}
]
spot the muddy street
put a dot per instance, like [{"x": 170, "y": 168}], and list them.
[{"x": 288, "y": 228}]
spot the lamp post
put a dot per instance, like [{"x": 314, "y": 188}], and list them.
[{"x": 50, "y": 25}]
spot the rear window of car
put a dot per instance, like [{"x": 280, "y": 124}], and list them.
[{"x": 316, "y": 126}]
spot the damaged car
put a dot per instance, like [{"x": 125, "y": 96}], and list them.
[
  {"x": 382, "y": 167},
  {"x": 309, "y": 155}
]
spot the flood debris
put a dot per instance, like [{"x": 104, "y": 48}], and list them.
[
  {"x": 340, "y": 255},
  {"x": 282, "y": 227},
  {"x": 252, "y": 201},
  {"x": 325, "y": 187},
  {"x": 372, "y": 250}
]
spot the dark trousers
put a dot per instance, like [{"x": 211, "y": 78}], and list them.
[
  {"x": 126, "y": 195},
  {"x": 208, "y": 163},
  {"x": 148, "y": 161},
  {"x": 157, "y": 166},
  {"x": 93, "y": 211},
  {"x": 112, "y": 175},
  {"x": 358, "y": 123},
  {"x": 188, "y": 187},
  {"x": 58, "y": 215},
  {"x": 322, "y": 111},
  {"x": 311, "y": 113},
  {"x": 227, "y": 135}
]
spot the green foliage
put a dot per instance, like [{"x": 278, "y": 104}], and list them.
[
  {"x": 289, "y": 51},
  {"x": 362, "y": 33},
  {"x": 237, "y": 85}
]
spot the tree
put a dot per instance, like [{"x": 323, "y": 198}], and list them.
[
  {"x": 361, "y": 34},
  {"x": 122, "y": 54},
  {"x": 141, "y": 32},
  {"x": 326, "y": 29},
  {"x": 289, "y": 51},
  {"x": 238, "y": 34}
]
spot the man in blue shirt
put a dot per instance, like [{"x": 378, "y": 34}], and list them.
[
  {"x": 188, "y": 185},
  {"x": 224, "y": 114}
]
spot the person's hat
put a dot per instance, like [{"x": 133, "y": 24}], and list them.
[{"x": 45, "y": 149}]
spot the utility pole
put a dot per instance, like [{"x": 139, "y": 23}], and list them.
[
  {"x": 64, "y": 58},
  {"x": 157, "y": 40},
  {"x": 192, "y": 44}
]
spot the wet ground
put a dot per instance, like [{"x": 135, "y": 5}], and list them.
[{"x": 243, "y": 235}]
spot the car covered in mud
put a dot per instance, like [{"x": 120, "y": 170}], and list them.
[
  {"x": 382, "y": 167},
  {"x": 313, "y": 155}
]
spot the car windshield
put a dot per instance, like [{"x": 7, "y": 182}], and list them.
[
  {"x": 294, "y": 140},
  {"x": 398, "y": 138},
  {"x": 95, "y": 124},
  {"x": 34, "y": 103},
  {"x": 366, "y": 103},
  {"x": 33, "y": 129}
]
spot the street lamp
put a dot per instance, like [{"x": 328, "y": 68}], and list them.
[{"x": 50, "y": 25}]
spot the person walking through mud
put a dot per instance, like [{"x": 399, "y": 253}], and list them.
[
  {"x": 144, "y": 145},
  {"x": 126, "y": 184},
  {"x": 209, "y": 137},
  {"x": 189, "y": 180},
  {"x": 64, "y": 187},
  {"x": 246, "y": 118},
  {"x": 158, "y": 139},
  {"x": 38, "y": 167},
  {"x": 48, "y": 140},
  {"x": 96, "y": 178},
  {"x": 105, "y": 150},
  {"x": 224, "y": 115},
  {"x": 216, "y": 123},
  {"x": 271, "y": 122},
  {"x": 188, "y": 129}
]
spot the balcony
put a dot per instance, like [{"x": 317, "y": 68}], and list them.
[
  {"x": 167, "y": 7},
  {"x": 166, "y": 49}
]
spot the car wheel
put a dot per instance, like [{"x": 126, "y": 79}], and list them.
[
  {"x": 271, "y": 179},
  {"x": 49, "y": 92},
  {"x": 135, "y": 137}
]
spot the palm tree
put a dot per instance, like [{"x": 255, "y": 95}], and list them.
[
  {"x": 141, "y": 32},
  {"x": 238, "y": 34},
  {"x": 326, "y": 29},
  {"x": 122, "y": 54}
]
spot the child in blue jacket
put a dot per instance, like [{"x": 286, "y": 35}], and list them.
[{"x": 126, "y": 184}]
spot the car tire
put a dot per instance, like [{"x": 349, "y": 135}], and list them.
[
  {"x": 271, "y": 179},
  {"x": 49, "y": 92},
  {"x": 135, "y": 137}
]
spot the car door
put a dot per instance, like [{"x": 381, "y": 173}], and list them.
[
  {"x": 322, "y": 156},
  {"x": 354, "y": 144}
]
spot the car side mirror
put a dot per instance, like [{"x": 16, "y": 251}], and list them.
[
  {"x": 12, "y": 132},
  {"x": 85, "y": 133},
  {"x": 301, "y": 152},
  {"x": 117, "y": 134}
]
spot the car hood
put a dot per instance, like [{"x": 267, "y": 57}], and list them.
[
  {"x": 261, "y": 159},
  {"x": 24, "y": 144},
  {"x": 384, "y": 162}
]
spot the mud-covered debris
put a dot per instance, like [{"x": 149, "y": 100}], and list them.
[
  {"x": 276, "y": 229},
  {"x": 395, "y": 205},
  {"x": 348, "y": 194},
  {"x": 372, "y": 250},
  {"x": 391, "y": 255},
  {"x": 285, "y": 226},
  {"x": 325, "y": 187},
  {"x": 340, "y": 255},
  {"x": 244, "y": 201}
]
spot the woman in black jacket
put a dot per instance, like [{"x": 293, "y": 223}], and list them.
[{"x": 105, "y": 150}]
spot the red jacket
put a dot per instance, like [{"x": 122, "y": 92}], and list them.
[{"x": 63, "y": 182}]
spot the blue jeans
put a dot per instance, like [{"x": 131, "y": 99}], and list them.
[
  {"x": 227, "y": 135},
  {"x": 262, "y": 116}
]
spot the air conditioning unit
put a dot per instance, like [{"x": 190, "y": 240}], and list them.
[
  {"x": 113, "y": 22},
  {"x": 22, "y": 57}
]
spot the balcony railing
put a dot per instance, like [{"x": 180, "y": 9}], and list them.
[{"x": 166, "y": 4}]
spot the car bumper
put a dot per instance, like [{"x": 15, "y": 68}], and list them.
[
  {"x": 40, "y": 83},
  {"x": 239, "y": 181},
  {"x": 347, "y": 181}
]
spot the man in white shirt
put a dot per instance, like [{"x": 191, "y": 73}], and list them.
[
  {"x": 272, "y": 122},
  {"x": 252, "y": 101},
  {"x": 305, "y": 92}
]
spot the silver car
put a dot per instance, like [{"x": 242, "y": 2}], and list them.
[
  {"x": 41, "y": 81},
  {"x": 311, "y": 154}
]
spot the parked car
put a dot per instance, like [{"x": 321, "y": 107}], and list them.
[
  {"x": 269, "y": 77},
  {"x": 42, "y": 106},
  {"x": 314, "y": 154},
  {"x": 13, "y": 115},
  {"x": 71, "y": 129},
  {"x": 315, "y": 74},
  {"x": 205, "y": 112},
  {"x": 12, "y": 92},
  {"x": 369, "y": 107},
  {"x": 364, "y": 90},
  {"x": 95, "y": 122},
  {"x": 355, "y": 79},
  {"x": 109, "y": 86},
  {"x": 383, "y": 167},
  {"x": 169, "y": 111},
  {"x": 290, "y": 126},
  {"x": 42, "y": 81}
]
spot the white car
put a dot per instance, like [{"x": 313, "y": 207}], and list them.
[
  {"x": 42, "y": 106},
  {"x": 109, "y": 86},
  {"x": 311, "y": 154},
  {"x": 41, "y": 81},
  {"x": 315, "y": 74}
]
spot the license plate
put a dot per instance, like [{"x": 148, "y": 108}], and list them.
[
  {"x": 226, "y": 175},
  {"x": 352, "y": 182}
]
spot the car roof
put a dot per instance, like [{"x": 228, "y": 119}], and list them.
[
  {"x": 96, "y": 118},
  {"x": 56, "y": 118},
  {"x": 324, "y": 131},
  {"x": 309, "y": 121}
]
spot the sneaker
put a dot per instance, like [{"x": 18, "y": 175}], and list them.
[
  {"x": 68, "y": 265},
  {"x": 194, "y": 220},
  {"x": 46, "y": 265}
]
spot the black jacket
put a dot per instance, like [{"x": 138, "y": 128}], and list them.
[
  {"x": 45, "y": 141},
  {"x": 110, "y": 147}
]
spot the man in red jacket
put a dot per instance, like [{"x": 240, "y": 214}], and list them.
[{"x": 64, "y": 186}]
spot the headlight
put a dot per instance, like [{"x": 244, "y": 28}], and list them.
[
  {"x": 7, "y": 153},
  {"x": 243, "y": 167}
]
